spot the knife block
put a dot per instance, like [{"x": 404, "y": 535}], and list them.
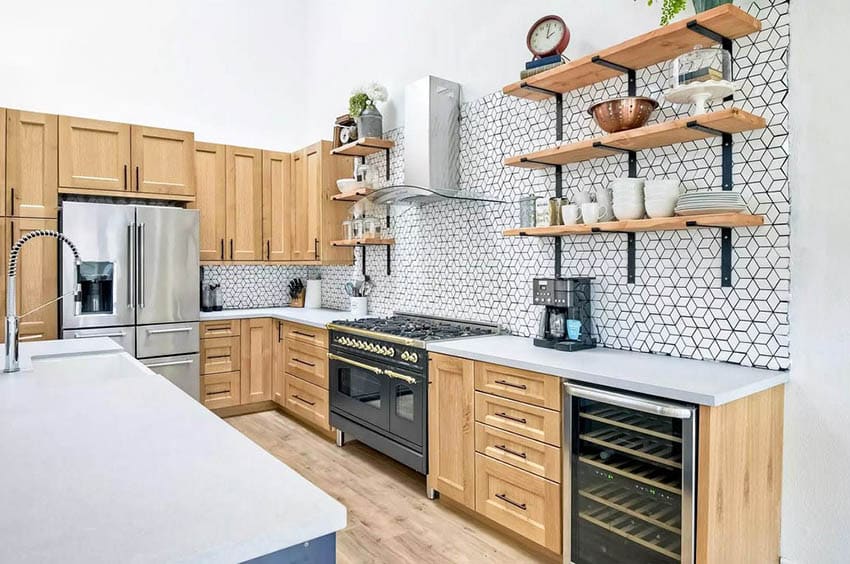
[{"x": 298, "y": 300}]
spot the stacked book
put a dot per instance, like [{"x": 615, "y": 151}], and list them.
[{"x": 541, "y": 65}]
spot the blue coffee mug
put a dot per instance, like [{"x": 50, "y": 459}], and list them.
[{"x": 573, "y": 329}]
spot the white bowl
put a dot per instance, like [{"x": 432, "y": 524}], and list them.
[
  {"x": 664, "y": 186},
  {"x": 628, "y": 211},
  {"x": 350, "y": 184},
  {"x": 627, "y": 182},
  {"x": 660, "y": 208}
]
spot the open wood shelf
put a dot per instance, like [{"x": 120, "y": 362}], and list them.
[
  {"x": 639, "y": 52},
  {"x": 691, "y": 128},
  {"x": 677, "y": 223},
  {"x": 363, "y": 146},
  {"x": 362, "y": 242},
  {"x": 353, "y": 196}
]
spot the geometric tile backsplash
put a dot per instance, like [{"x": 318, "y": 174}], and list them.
[{"x": 450, "y": 259}]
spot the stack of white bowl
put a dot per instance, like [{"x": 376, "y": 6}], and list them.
[
  {"x": 662, "y": 195},
  {"x": 628, "y": 198}
]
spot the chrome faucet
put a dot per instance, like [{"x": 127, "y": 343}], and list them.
[{"x": 12, "y": 319}]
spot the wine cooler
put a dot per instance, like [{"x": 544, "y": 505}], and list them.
[{"x": 629, "y": 475}]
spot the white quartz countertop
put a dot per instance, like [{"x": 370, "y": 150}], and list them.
[
  {"x": 312, "y": 317},
  {"x": 693, "y": 381},
  {"x": 105, "y": 461}
]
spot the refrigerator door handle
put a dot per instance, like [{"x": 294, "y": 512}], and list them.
[
  {"x": 131, "y": 266},
  {"x": 653, "y": 407},
  {"x": 140, "y": 275}
]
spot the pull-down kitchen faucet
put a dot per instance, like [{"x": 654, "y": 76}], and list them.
[{"x": 12, "y": 319}]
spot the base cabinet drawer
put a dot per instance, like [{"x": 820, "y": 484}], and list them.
[
  {"x": 522, "y": 502},
  {"x": 220, "y": 390},
  {"x": 223, "y": 328},
  {"x": 527, "y": 454},
  {"x": 308, "y": 362},
  {"x": 294, "y": 332},
  {"x": 533, "y": 422},
  {"x": 308, "y": 401},
  {"x": 521, "y": 385},
  {"x": 220, "y": 355}
]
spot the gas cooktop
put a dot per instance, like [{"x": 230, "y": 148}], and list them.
[{"x": 417, "y": 329}]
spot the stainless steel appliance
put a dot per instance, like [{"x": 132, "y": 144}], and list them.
[
  {"x": 563, "y": 300},
  {"x": 139, "y": 284},
  {"x": 628, "y": 478},
  {"x": 379, "y": 380}
]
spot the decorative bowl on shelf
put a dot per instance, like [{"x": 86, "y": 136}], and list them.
[
  {"x": 620, "y": 114},
  {"x": 351, "y": 184}
]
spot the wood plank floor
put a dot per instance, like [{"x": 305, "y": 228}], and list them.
[{"x": 389, "y": 517}]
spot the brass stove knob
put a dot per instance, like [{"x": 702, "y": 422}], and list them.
[
  {"x": 414, "y": 357},
  {"x": 391, "y": 352},
  {"x": 405, "y": 355}
]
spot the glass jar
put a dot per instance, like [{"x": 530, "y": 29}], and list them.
[
  {"x": 357, "y": 228},
  {"x": 528, "y": 211},
  {"x": 347, "y": 230},
  {"x": 701, "y": 65},
  {"x": 370, "y": 227}
]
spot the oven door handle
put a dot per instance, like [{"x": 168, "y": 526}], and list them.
[
  {"x": 374, "y": 369},
  {"x": 399, "y": 376}
]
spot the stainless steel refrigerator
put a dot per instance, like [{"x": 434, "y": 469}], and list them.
[{"x": 140, "y": 283}]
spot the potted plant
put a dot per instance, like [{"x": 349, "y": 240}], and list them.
[
  {"x": 361, "y": 106},
  {"x": 671, "y": 8}
]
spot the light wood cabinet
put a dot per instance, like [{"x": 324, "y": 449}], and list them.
[
  {"x": 220, "y": 390},
  {"x": 210, "y": 173},
  {"x": 94, "y": 154},
  {"x": 31, "y": 165},
  {"x": 279, "y": 367},
  {"x": 163, "y": 161},
  {"x": 278, "y": 203},
  {"x": 116, "y": 158},
  {"x": 451, "y": 438},
  {"x": 244, "y": 203},
  {"x": 530, "y": 421},
  {"x": 297, "y": 333},
  {"x": 37, "y": 277},
  {"x": 256, "y": 364},
  {"x": 3, "y": 245},
  {"x": 223, "y": 328},
  {"x": 308, "y": 401},
  {"x": 308, "y": 362},
  {"x": 220, "y": 354},
  {"x": 516, "y": 450},
  {"x": 521, "y": 385}
]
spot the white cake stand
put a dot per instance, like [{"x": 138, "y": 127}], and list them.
[{"x": 699, "y": 93}]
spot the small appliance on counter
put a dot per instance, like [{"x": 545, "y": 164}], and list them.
[{"x": 565, "y": 324}]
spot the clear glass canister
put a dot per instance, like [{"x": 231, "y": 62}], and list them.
[
  {"x": 370, "y": 227},
  {"x": 357, "y": 228},
  {"x": 528, "y": 211},
  {"x": 701, "y": 65},
  {"x": 347, "y": 229}
]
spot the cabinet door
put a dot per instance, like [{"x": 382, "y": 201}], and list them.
[
  {"x": 256, "y": 365},
  {"x": 37, "y": 278},
  {"x": 210, "y": 199},
  {"x": 451, "y": 431},
  {"x": 32, "y": 188},
  {"x": 278, "y": 366},
  {"x": 306, "y": 211},
  {"x": 277, "y": 205},
  {"x": 163, "y": 161},
  {"x": 2, "y": 163},
  {"x": 3, "y": 246},
  {"x": 244, "y": 208},
  {"x": 93, "y": 154}
]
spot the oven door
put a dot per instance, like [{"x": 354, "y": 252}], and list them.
[
  {"x": 359, "y": 390},
  {"x": 407, "y": 406}
]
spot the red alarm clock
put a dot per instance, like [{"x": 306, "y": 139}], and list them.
[{"x": 548, "y": 36}]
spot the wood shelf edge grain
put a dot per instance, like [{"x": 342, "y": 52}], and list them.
[
  {"x": 362, "y": 242},
  {"x": 676, "y": 223},
  {"x": 353, "y": 196},
  {"x": 639, "y": 52},
  {"x": 363, "y": 146}
]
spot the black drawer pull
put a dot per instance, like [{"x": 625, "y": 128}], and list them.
[
  {"x": 299, "y": 398},
  {"x": 510, "y": 451},
  {"x": 304, "y": 334},
  {"x": 506, "y": 499},
  {"x": 210, "y": 357},
  {"x": 304, "y": 362},
  {"x": 512, "y": 385},
  {"x": 511, "y": 418}
]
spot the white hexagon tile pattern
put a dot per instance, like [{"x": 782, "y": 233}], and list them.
[{"x": 450, "y": 259}]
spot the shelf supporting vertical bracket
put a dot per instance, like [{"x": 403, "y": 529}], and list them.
[
  {"x": 559, "y": 172},
  {"x": 363, "y": 259},
  {"x": 386, "y": 157},
  {"x": 389, "y": 270},
  {"x": 631, "y": 251}
]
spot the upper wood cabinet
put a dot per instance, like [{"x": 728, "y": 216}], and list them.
[
  {"x": 31, "y": 155},
  {"x": 163, "y": 161},
  {"x": 451, "y": 431},
  {"x": 116, "y": 157},
  {"x": 94, "y": 154},
  {"x": 256, "y": 366},
  {"x": 244, "y": 203},
  {"x": 210, "y": 172},
  {"x": 277, "y": 205}
]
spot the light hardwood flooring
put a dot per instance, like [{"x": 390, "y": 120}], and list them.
[{"x": 389, "y": 517}]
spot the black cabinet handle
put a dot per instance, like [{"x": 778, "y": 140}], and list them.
[
  {"x": 279, "y": 337},
  {"x": 125, "y": 177},
  {"x": 231, "y": 249},
  {"x": 506, "y": 499},
  {"x": 12, "y": 194},
  {"x": 304, "y": 362},
  {"x": 304, "y": 334},
  {"x": 511, "y": 418},
  {"x": 505, "y": 448},
  {"x": 511, "y": 384},
  {"x": 137, "y": 179},
  {"x": 316, "y": 247},
  {"x": 222, "y": 249},
  {"x": 299, "y": 398},
  {"x": 268, "y": 249}
]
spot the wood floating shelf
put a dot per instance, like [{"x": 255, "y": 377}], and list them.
[
  {"x": 363, "y": 147},
  {"x": 362, "y": 242},
  {"x": 353, "y": 196},
  {"x": 691, "y": 128},
  {"x": 668, "y": 42},
  {"x": 677, "y": 223}
]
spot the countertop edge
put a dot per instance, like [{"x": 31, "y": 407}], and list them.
[{"x": 304, "y": 316}]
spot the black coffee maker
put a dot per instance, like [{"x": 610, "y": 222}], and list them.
[{"x": 565, "y": 324}]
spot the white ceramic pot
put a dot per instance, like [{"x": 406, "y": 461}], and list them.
[{"x": 359, "y": 306}]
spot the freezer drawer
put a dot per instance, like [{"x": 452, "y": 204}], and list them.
[
  {"x": 183, "y": 371},
  {"x": 124, "y": 336},
  {"x": 167, "y": 339}
]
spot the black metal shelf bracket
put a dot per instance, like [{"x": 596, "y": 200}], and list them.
[
  {"x": 559, "y": 172},
  {"x": 631, "y": 251},
  {"x": 363, "y": 259},
  {"x": 533, "y": 88},
  {"x": 386, "y": 151}
]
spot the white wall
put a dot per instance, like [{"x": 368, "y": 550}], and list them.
[{"x": 816, "y": 492}]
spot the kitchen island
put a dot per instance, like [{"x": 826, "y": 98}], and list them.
[{"x": 105, "y": 461}]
